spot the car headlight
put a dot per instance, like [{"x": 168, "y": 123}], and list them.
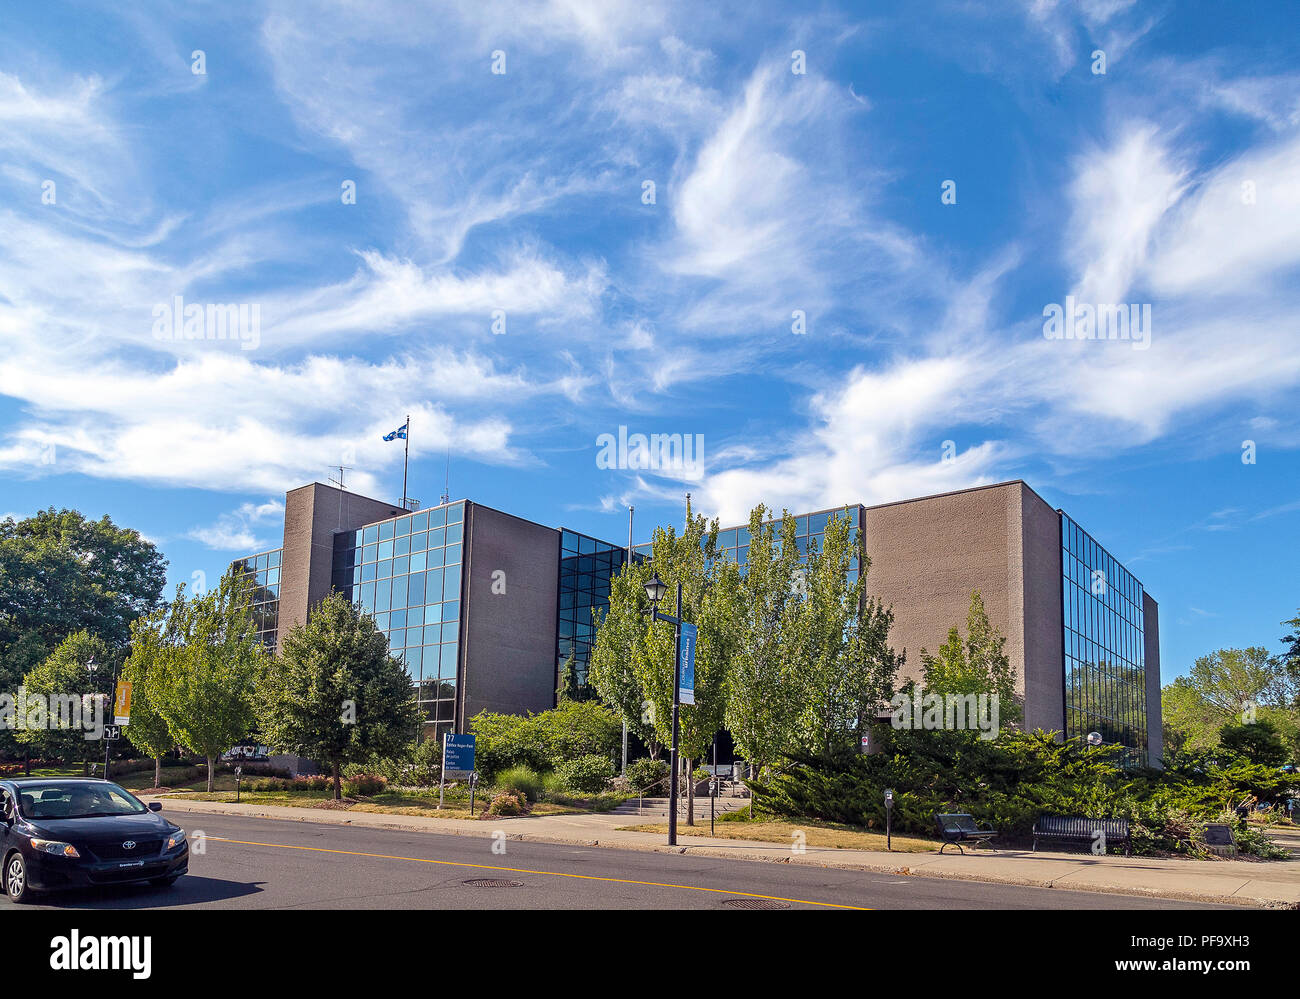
[
  {"x": 55, "y": 847},
  {"x": 176, "y": 839}
]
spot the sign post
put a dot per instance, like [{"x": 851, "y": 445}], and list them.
[
  {"x": 889, "y": 819},
  {"x": 457, "y": 756}
]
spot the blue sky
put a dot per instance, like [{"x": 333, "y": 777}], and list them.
[{"x": 1171, "y": 180}]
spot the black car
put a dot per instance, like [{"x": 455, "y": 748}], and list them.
[{"x": 78, "y": 833}]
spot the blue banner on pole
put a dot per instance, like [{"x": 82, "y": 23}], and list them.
[
  {"x": 686, "y": 685},
  {"x": 458, "y": 754}
]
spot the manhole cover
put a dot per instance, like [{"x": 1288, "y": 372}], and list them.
[
  {"x": 755, "y": 903},
  {"x": 493, "y": 883}
]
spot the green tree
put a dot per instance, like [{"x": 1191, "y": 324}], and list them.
[
  {"x": 1229, "y": 685},
  {"x": 1190, "y": 723},
  {"x": 61, "y": 573},
  {"x": 67, "y": 689},
  {"x": 1259, "y": 741},
  {"x": 206, "y": 693},
  {"x": 1290, "y": 658},
  {"x": 634, "y": 655},
  {"x": 619, "y": 630},
  {"x": 710, "y": 586},
  {"x": 153, "y": 641},
  {"x": 845, "y": 669},
  {"x": 1231, "y": 680},
  {"x": 569, "y": 689},
  {"x": 762, "y": 699},
  {"x": 336, "y": 694},
  {"x": 977, "y": 664}
]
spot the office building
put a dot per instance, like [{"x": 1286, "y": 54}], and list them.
[{"x": 483, "y": 606}]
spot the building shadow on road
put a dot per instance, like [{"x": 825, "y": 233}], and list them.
[{"x": 189, "y": 890}]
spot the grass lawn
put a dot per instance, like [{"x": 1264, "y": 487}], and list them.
[
  {"x": 386, "y": 803},
  {"x": 58, "y": 771},
  {"x": 301, "y": 799},
  {"x": 173, "y": 777},
  {"x": 130, "y": 781},
  {"x": 399, "y": 804},
  {"x": 822, "y": 834}
]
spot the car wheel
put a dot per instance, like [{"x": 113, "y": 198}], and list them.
[
  {"x": 164, "y": 882},
  {"x": 15, "y": 879}
]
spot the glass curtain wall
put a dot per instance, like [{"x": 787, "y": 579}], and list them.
[
  {"x": 1105, "y": 669},
  {"x": 264, "y": 569},
  {"x": 406, "y": 573},
  {"x": 586, "y": 567}
]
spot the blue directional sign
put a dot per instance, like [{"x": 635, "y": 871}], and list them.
[
  {"x": 458, "y": 754},
  {"x": 686, "y": 661}
]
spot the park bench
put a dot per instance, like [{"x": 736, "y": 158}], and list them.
[
  {"x": 958, "y": 828},
  {"x": 1078, "y": 829}
]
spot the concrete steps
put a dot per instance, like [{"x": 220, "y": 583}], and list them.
[{"x": 657, "y": 808}]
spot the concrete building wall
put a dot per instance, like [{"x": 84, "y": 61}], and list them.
[
  {"x": 507, "y": 655},
  {"x": 312, "y": 514},
  {"x": 927, "y": 556},
  {"x": 1043, "y": 624},
  {"x": 1151, "y": 657}
]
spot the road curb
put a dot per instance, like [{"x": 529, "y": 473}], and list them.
[{"x": 484, "y": 830}]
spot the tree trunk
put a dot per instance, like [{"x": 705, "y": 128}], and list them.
[
  {"x": 212, "y": 774},
  {"x": 338, "y": 791},
  {"x": 27, "y": 759},
  {"x": 157, "y": 771},
  {"x": 690, "y": 792}
]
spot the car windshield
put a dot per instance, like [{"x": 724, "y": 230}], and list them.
[{"x": 57, "y": 800}]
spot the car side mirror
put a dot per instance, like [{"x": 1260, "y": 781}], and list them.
[{"x": 155, "y": 806}]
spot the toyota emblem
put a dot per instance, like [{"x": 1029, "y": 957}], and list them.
[{"x": 129, "y": 845}]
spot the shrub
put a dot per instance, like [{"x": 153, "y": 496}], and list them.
[
  {"x": 506, "y": 803},
  {"x": 426, "y": 763},
  {"x": 577, "y": 728},
  {"x": 646, "y": 772},
  {"x": 520, "y": 780},
  {"x": 587, "y": 774},
  {"x": 364, "y": 785},
  {"x": 544, "y": 740},
  {"x": 505, "y": 741},
  {"x": 1011, "y": 780}
]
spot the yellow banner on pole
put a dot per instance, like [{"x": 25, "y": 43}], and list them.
[{"x": 122, "y": 704}]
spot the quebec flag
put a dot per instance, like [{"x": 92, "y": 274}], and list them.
[{"x": 398, "y": 434}]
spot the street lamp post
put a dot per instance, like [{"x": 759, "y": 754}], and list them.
[
  {"x": 94, "y": 670},
  {"x": 655, "y": 590}
]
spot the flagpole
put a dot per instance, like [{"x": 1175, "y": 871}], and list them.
[{"x": 406, "y": 458}]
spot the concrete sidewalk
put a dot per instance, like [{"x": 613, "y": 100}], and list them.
[{"x": 1271, "y": 884}]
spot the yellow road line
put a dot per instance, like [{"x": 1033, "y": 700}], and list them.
[{"x": 522, "y": 870}]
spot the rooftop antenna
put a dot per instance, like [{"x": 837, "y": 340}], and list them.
[
  {"x": 342, "y": 489},
  {"x": 446, "y": 487}
]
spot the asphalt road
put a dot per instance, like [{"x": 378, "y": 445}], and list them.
[{"x": 268, "y": 864}]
